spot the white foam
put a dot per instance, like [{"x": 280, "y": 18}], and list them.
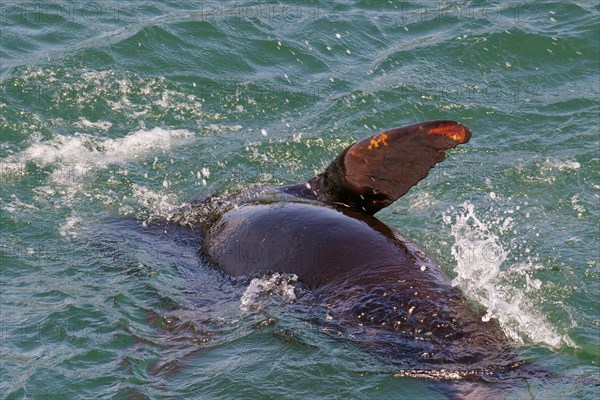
[
  {"x": 159, "y": 205},
  {"x": 268, "y": 286},
  {"x": 68, "y": 229},
  {"x": 575, "y": 202},
  {"x": 101, "y": 125},
  {"x": 546, "y": 171},
  {"x": 560, "y": 165},
  {"x": 479, "y": 255},
  {"x": 80, "y": 154},
  {"x": 16, "y": 205}
]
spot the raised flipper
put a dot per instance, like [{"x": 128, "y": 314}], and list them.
[{"x": 373, "y": 173}]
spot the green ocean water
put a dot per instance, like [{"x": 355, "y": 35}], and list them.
[{"x": 115, "y": 112}]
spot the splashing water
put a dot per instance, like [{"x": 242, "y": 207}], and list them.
[
  {"x": 259, "y": 289},
  {"x": 75, "y": 157},
  {"x": 156, "y": 204},
  {"x": 479, "y": 255}
]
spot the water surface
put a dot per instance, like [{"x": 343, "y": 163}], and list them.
[{"x": 114, "y": 113}]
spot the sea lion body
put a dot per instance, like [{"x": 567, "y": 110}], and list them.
[
  {"x": 368, "y": 275},
  {"x": 372, "y": 280},
  {"x": 316, "y": 242}
]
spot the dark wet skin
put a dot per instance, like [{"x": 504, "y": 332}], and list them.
[
  {"x": 368, "y": 277},
  {"x": 373, "y": 282}
]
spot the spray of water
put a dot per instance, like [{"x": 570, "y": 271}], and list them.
[
  {"x": 483, "y": 275},
  {"x": 276, "y": 285}
]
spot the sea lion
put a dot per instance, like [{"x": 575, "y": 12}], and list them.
[{"x": 373, "y": 281}]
